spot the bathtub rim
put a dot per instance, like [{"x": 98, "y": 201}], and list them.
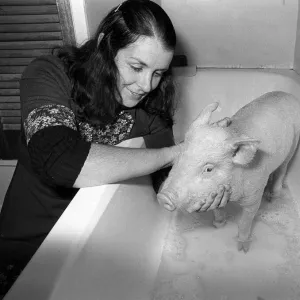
[
  {"x": 8, "y": 162},
  {"x": 289, "y": 73},
  {"x": 78, "y": 220},
  {"x": 71, "y": 246}
]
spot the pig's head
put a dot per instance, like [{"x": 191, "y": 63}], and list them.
[{"x": 211, "y": 155}]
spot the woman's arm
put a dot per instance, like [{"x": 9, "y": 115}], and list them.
[{"x": 109, "y": 164}]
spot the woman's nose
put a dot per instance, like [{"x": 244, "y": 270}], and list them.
[{"x": 145, "y": 83}]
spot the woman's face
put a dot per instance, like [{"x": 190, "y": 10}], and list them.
[{"x": 141, "y": 66}]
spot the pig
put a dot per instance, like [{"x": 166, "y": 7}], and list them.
[{"x": 251, "y": 155}]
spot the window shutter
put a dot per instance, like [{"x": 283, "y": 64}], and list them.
[{"x": 28, "y": 29}]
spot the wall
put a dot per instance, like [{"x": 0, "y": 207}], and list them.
[
  {"x": 297, "y": 47},
  {"x": 235, "y": 33},
  {"x": 96, "y": 10},
  {"x": 79, "y": 20},
  {"x": 226, "y": 33}
]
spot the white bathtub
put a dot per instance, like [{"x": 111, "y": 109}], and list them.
[
  {"x": 7, "y": 168},
  {"x": 108, "y": 244}
]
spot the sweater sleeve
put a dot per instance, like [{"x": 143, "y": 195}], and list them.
[
  {"x": 56, "y": 150},
  {"x": 57, "y": 154}
]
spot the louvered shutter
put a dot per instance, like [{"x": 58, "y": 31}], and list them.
[{"x": 28, "y": 29}]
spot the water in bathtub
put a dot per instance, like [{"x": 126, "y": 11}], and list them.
[{"x": 201, "y": 262}]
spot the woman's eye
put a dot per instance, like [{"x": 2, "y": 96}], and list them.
[
  {"x": 158, "y": 74},
  {"x": 136, "y": 69}
]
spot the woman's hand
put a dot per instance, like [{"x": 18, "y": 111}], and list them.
[
  {"x": 215, "y": 200},
  {"x": 223, "y": 122},
  {"x": 175, "y": 151}
]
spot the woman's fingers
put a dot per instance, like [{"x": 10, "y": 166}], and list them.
[
  {"x": 226, "y": 196},
  {"x": 222, "y": 123},
  {"x": 214, "y": 200},
  {"x": 219, "y": 199},
  {"x": 196, "y": 206},
  {"x": 211, "y": 200}
]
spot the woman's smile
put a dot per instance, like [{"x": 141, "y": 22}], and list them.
[{"x": 136, "y": 95}]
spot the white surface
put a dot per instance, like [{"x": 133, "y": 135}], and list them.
[
  {"x": 79, "y": 20},
  {"x": 110, "y": 249},
  {"x": 235, "y": 33},
  {"x": 296, "y": 66},
  {"x": 121, "y": 257},
  {"x": 64, "y": 243},
  {"x": 96, "y": 10},
  {"x": 201, "y": 262},
  {"x": 7, "y": 168},
  {"x": 232, "y": 88},
  {"x": 227, "y": 33}
]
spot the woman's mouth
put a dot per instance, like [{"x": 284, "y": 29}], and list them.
[{"x": 136, "y": 95}]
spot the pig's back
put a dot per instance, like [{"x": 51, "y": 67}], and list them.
[
  {"x": 274, "y": 107},
  {"x": 273, "y": 118}
]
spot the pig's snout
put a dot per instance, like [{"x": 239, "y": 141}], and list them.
[{"x": 167, "y": 199}]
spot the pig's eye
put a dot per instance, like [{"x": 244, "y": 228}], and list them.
[{"x": 208, "y": 168}]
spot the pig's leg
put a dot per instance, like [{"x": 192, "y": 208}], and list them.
[
  {"x": 277, "y": 182},
  {"x": 219, "y": 217},
  {"x": 246, "y": 220},
  {"x": 268, "y": 188},
  {"x": 274, "y": 188}
]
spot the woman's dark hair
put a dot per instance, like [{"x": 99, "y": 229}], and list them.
[{"x": 93, "y": 71}]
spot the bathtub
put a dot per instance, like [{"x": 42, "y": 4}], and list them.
[
  {"x": 7, "y": 168},
  {"x": 112, "y": 248}
]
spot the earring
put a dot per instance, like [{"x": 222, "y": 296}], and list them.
[
  {"x": 100, "y": 37},
  {"x": 118, "y": 7}
]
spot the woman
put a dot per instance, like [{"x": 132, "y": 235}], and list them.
[{"x": 76, "y": 106}]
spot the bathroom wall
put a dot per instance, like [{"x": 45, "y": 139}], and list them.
[
  {"x": 235, "y": 33},
  {"x": 96, "y": 10},
  {"x": 226, "y": 33},
  {"x": 297, "y": 47},
  {"x": 79, "y": 20}
]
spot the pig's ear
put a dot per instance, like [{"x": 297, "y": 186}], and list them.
[
  {"x": 204, "y": 116},
  {"x": 243, "y": 149}
]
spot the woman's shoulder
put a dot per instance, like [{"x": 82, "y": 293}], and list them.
[
  {"x": 48, "y": 69},
  {"x": 49, "y": 58},
  {"x": 45, "y": 64}
]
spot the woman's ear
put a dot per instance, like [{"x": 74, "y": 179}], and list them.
[{"x": 243, "y": 149}]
